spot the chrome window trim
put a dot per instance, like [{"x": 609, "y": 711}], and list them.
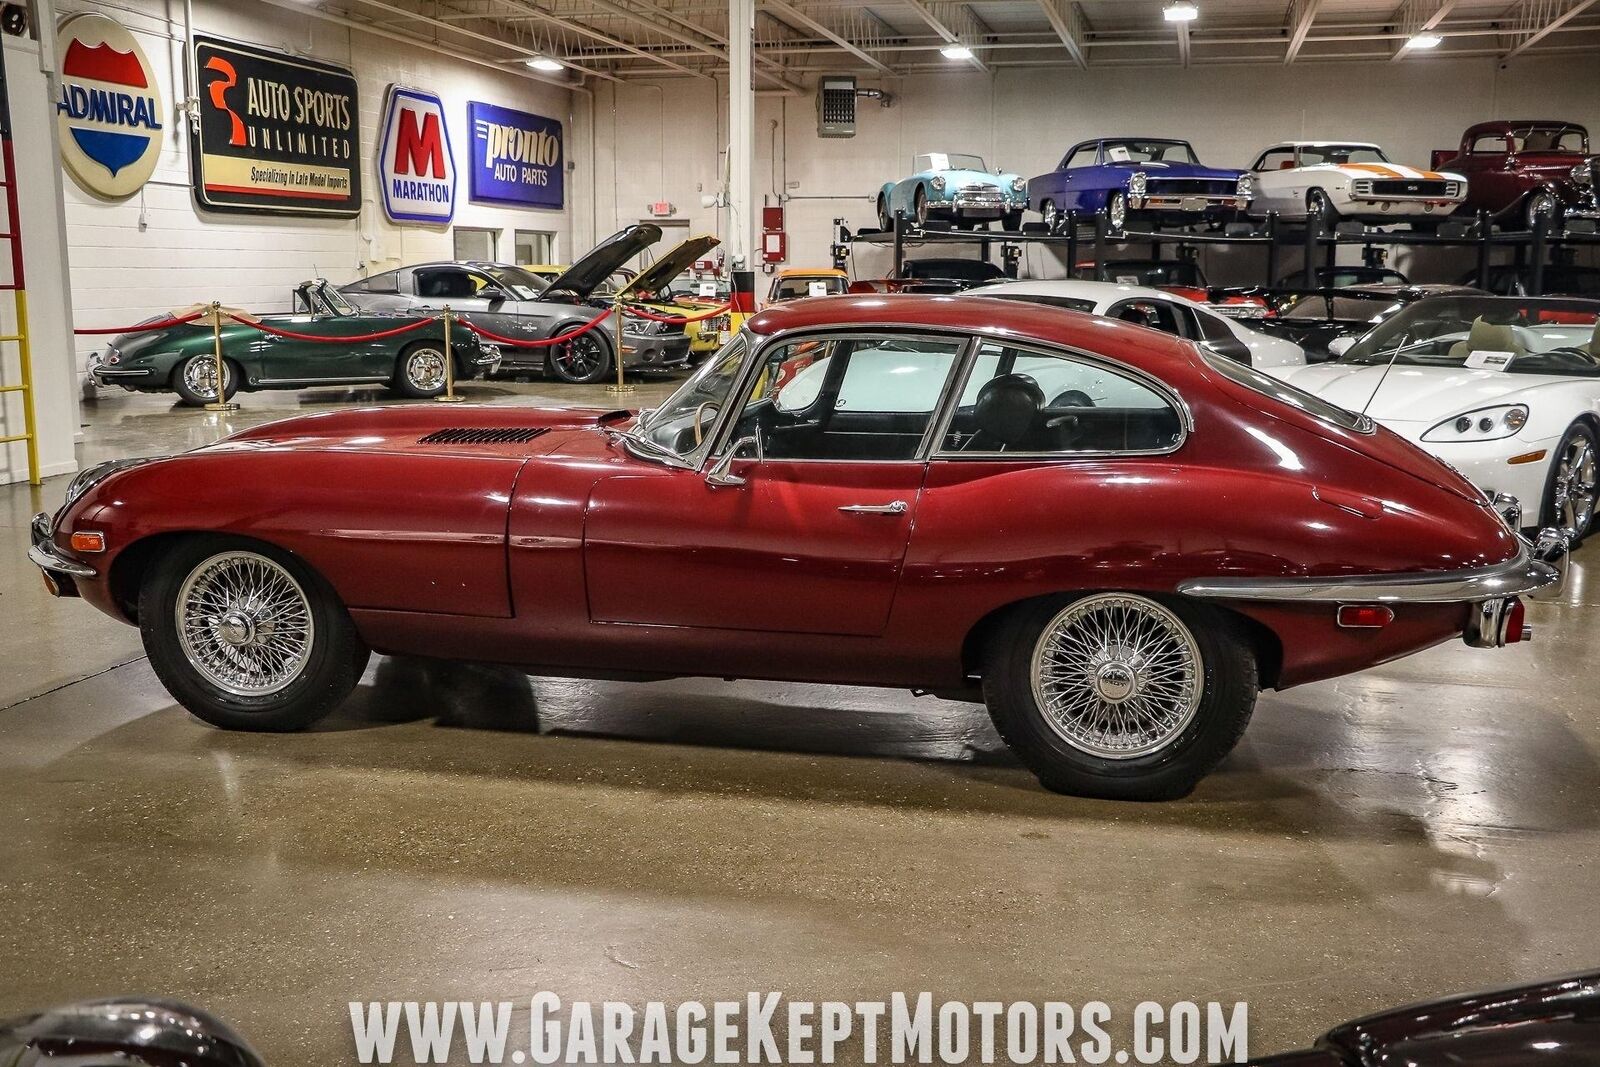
[
  {"x": 1161, "y": 389},
  {"x": 725, "y": 420}
]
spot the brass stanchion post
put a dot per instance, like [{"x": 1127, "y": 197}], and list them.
[
  {"x": 221, "y": 403},
  {"x": 449, "y": 395},
  {"x": 622, "y": 388}
]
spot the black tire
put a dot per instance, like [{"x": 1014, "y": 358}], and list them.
[
  {"x": 194, "y": 380},
  {"x": 1561, "y": 508},
  {"x": 584, "y": 360},
  {"x": 1011, "y": 221},
  {"x": 919, "y": 205},
  {"x": 1226, "y": 673},
  {"x": 885, "y": 216},
  {"x": 419, "y": 372},
  {"x": 1117, "y": 211},
  {"x": 332, "y": 662},
  {"x": 1319, "y": 207}
]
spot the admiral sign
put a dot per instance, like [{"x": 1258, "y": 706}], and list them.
[
  {"x": 415, "y": 164},
  {"x": 278, "y": 134},
  {"x": 110, "y": 114},
  {"x": 516, "y": 156}
]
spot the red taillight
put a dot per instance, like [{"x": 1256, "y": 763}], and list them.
[
  {"x": 1364, "y": 616},
  {"x": 1516, "y": 624}
]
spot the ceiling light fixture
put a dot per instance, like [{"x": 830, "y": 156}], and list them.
[
  {"x": 1424, "y": 40},
  {"x": 545, "y": 63},
  {"x": 1180, "y": 11},
  {"x": 956, "y": 51}
]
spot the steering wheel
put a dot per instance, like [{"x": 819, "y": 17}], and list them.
[{"x": 699, "y": 419}]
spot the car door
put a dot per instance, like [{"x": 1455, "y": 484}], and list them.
[
  {"x": 321, "y": 353},
  {"x": 798, "y": 517}
]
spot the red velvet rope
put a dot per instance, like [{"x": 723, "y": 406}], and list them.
[
  {"x": 164, "y": 324},
  {"x": 679, "y": 320},
  {"x": 352, "y": 339},
  {"x": 516, "y": 342}
]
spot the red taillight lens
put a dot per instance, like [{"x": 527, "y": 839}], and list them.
[
  {"x": 1364, "y": 616},
  {"x": 1516, "y": 624}
]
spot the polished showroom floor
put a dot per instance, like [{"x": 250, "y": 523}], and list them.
[{"x": 467, "y": 833}]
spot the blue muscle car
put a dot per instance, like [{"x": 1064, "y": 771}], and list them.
[
  {"x": 959, "y": 188},
  {"x": 1144, "y": 178}
]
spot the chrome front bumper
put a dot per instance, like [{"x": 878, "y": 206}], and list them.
[
  {"x": 1537, "y": 570},
  {"x": 60, "y": 573}
]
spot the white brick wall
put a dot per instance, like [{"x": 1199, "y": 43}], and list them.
[{"x": 158, "y": 250}]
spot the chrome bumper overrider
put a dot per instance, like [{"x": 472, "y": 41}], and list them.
[
  {"x": 1537, "y": 570},
  {"x": 44, "y": 554}
]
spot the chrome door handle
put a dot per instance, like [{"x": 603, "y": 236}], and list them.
[{"x": 897, "y": 507}]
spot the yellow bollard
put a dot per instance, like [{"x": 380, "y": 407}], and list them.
[
  {"x": 449, "y": 395},
  {"x": 221, "y": 403},
  {"x": 622, "y": 388}
]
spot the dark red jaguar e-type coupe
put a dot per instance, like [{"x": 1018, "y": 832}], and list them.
[{"x": 1112, "y": 537}]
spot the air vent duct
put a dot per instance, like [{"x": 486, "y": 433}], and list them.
[{"x": 486, "y": 435}]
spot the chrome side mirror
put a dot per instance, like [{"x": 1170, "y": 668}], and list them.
[{"x": 722, "y": 473}]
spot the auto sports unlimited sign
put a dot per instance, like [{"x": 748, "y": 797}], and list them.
[
  {"x": 278, "y": 134},
  {"x": 516, "y": 157},
  {"x": 110, "y": 114},
  {"x": 415, "y": 164}
]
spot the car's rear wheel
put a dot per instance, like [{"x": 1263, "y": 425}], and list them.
[
  {"x": 1119, "y": 695},
  {"x": 246, "y": 636},
  {"x": 1570, "y": 493},
  {"x": 584, "y": 360},
  {"x": 195, "y": 380},
  {"x": 420, "y": 371}
]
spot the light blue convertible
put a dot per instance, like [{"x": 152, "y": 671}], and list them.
[{"x": 955, "y": 187}]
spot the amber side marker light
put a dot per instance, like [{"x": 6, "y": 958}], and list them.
[
  {"x": 88, "y": 541},
  {"x": 1364, "y": 616},
  {"x": 1528, "y": 457}
]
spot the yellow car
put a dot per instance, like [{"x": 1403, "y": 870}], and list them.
[{"x": 797, "y": 282}]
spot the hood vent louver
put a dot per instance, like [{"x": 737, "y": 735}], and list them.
[{"x": 487, "y": 435}]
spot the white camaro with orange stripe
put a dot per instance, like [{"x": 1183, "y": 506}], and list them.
[{"x": 1350, "y": 180}]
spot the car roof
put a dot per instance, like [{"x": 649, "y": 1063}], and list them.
[
  {"x": 1002, "y": 319},
  {"x": 811, "y": 272},
  {"x": 1102, "y": 293},
  {"x": 1496, "y": 125}
]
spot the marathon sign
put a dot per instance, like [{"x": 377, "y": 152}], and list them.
[
  {"x": 416, "y": 166},
  {"x": 278, "y": 134},
  {"x": 110, "y": 113},
  {"x": 516, "y": 157}
]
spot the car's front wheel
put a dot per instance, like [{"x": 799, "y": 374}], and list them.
[
  {"x": 584, "y": 360},
  {"x": 1539, "y": 205},
  {"x": 1320, "y": 208},
  {"x": 1119, "y": 695},
  {"x": 1051, "y": 215},
  {"x": 246, "y": 636},
  {"x": 919, "y": 205},
  {"x": 1117, "y": 211},
  {"x": 195, "y": 380},
  {"x": 1571, "y": 493},
  {"x": 885, "y": 217},
  {"x": 420, "y": 371}
]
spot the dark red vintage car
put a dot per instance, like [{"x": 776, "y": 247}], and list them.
[
  {"x": 1111, "y": 537},
  {"x": 1520, "y": 169}
]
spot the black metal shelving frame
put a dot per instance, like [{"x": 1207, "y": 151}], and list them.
[{"x": 1549, "y": 241}]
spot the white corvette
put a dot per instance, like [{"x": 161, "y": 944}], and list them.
[
  {"x": 1348, "y": 180},
  {"x": 1505, "y": 389},
  {"x": 1160, "y": 310}
]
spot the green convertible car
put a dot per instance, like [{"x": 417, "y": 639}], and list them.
[{"x": 333, "y": 351}]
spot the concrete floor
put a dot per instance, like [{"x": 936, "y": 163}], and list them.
[{"x": 1425, "y": 828}]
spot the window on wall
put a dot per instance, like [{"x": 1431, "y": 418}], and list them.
[
  {"x": 476, "y": 244},
  {"x": 535, "y": 247}
]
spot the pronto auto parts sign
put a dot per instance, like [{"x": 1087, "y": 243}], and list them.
[
  {"x": 415, "y": 165},
  {"x": 278, "y": 134},
  {"x": 110, "y": 114},
  {"x": 516, "y": 156}
]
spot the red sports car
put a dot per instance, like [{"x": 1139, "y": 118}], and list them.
[{"x": 1110, "y": 536}]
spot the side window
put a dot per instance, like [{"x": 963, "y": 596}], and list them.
[
  {"x": 1214, "y": 333},
  {"x": 1016, "y": 400},
  {"x": 1277, "y": 159},
  {"x": 1083, "y": 157},
  {"x": 1489, "y": 144},
  {"x": 848, "y": 398},
  {"x": 445, "y": 283},
  {"x": 1154, "y": 314}
]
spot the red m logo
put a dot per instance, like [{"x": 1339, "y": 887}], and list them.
[{"x": 419, "y": 150}]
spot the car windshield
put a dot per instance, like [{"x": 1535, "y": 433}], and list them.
[
  {"x": 516, "y": 281},
  {"x": 806, "y": 285},
  {"x": 680, "y": 424},
  {"x": 1507, "y": 334},
  {"x": 975, "y": 270},
  {"x": 1312, "y": 155},
  {"x": 1342, "y": 307},
  {"x": 323, "y": 299},
  {"x": 936, "y": 161},
  {"x": 1068, "y": 302},
  {"x": 1152, "y": 272},
  {"x": 1149, "y": 152},
  {"x": 1564, "y": 139}
]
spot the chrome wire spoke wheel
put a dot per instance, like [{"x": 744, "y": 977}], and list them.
[
  {"x": 425, "y": 369},
  {"x": 1576, "y": 485},
  {"x": 244, "y": 623},
  {"x": 1117, "y": 676}
]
